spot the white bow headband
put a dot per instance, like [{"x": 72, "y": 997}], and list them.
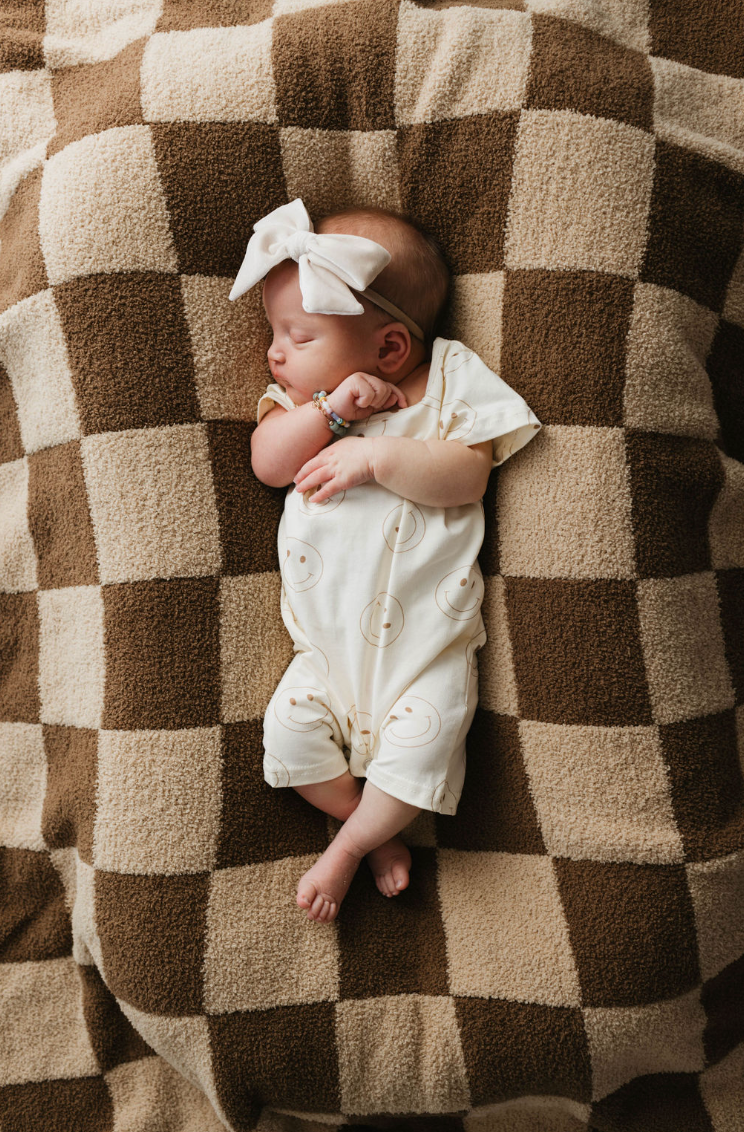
[{"x": 330, "y": 264}]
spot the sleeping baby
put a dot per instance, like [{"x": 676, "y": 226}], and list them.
[{"x": 386, "y": 437}]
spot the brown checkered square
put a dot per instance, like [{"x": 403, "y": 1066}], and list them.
[
  {"x": 573, "y": 68},
  {"x": 21, "y": 43},
  {"x": 37, "y": 929},
  {"x": 336, "y": 71},
  {"x": 705, "y": 39},
  {"x": 624, "y": 957},
  {"x": 671, "y": 525},
  {"x": 59, "y": 518},
  {"x": 440, "y": 161},
  {"x": 162, "y": 654},
  {"x": 564, "y": 332},
  {"x": 146, "y": 962},
  {"x": 19, "y": 652},
  {"x": 130, "y": 359},
  {"x": 501, "y": 1070},
  {"x": 211, "y": 216},
  {"x": 605, "y": 683},
  {"x": 694, "y": 224}
]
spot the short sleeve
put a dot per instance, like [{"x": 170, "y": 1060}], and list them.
[
  {"x": 274, "y": 395},
  {"x": 478, "y": 405}
]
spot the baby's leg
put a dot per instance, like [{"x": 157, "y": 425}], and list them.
[
  {"x": 371, "y": 828},
  {"x": 338, "y": 797}
]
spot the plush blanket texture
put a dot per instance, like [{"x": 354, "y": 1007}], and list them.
[{"x": 568, "y": 955}]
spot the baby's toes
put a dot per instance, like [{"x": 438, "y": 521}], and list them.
[
  {"x": 399, "y": 878},
  {"x": 306, "y": 894}
]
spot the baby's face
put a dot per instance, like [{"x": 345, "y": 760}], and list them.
[{"x": 310, "y": 352}]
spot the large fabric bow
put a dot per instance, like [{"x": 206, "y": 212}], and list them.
[{"x": 330, "y": 263}]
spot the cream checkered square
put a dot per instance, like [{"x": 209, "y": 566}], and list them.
[
  {"x": 497, "y": 682},
  {"x": 158, "y": 801},
  {"x": 72, "y": 659},
  {"x": 667, "y": 388},
  {"x": 102, "y": 207},
  {"x": 628, "y": 1042},
  {"x": 588, "y": 809},
  {"x": 510, "y": 940},
  {"x": 381, "y": 1070},
  {"x": 431, "y": 80},
  {"x": 683, "y": 647},
  {"x": 23, "y": 776},
  {"x": 17, "y": 552},
  {"x": 178, "y": 69},
  {"x": 260, "y": 951},
  {"x": 28, "y": 111},
  {"x": 140, "y": 1088},
  {"x": 185, "y": 1041},
  {"x": 152, "y": 503},
  {"x": 80, "y": 32},
  {"x": 476, "y": 306},
  {"x": 568, "y": 489},
  {"x": 333, "y": 169},
  {"x": 581, "y": 191},
  {"x": 78, "y": 880},
  {"x": 43, "y": 998},
  {"x": 34, "y": 352}
]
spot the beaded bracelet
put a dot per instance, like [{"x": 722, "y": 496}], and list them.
[{"x": 336, "y": 423}]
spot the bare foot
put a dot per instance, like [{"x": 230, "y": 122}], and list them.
[
  {"x": 323, "y": 887},
  {"x": 390, "y": 864}
]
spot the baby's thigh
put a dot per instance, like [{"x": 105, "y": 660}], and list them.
[
  {"x": 303, "y": 739},
  {"x": 421, "y": 740}
]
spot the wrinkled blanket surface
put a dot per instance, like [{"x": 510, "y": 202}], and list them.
[{"x": 568, "y": 955}]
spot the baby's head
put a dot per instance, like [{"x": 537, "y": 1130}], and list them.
[{"x": 318, "y": 351}]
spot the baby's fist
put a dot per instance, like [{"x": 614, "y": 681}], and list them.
[{"x": 365, "y": 394}]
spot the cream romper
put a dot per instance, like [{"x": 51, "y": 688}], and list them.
[{"x": 382, "y": 598}]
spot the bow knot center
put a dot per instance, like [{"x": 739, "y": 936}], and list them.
[{"x": 297, "y": 244}]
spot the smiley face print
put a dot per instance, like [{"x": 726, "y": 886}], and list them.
[
  {"x": 302, "y": 566},
  {"x": 382, "y": 620},
  {"x": 459, "y": 595},
  {"x": 360, "y": 729},
  {"x": 404, "y": 527},
  {"x": 443, "y": 800},
  {"x": 275, "y": 772},
  {"x": 412, "y": 722},
  {"x": 456, "y": 419},
  {"x": 303, "y": 709},
  {"x": 307, "y": 507}
]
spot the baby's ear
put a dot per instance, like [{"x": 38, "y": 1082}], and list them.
[{"x": 394, "y": 347}]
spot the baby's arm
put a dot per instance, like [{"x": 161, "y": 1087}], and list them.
[
  {"x": 437, "y": 473},
  {"x": 285, "y": 440}
]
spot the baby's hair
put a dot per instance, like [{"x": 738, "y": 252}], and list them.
[{"x": 417, "y": 277}]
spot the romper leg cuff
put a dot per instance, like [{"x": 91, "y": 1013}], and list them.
[{"x": 441, "y": 799}]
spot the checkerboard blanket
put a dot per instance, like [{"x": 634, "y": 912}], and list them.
[{"x": 568, "y": 955}]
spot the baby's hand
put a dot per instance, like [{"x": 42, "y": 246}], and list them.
[
  {"x": 341, "y": 465},
  {"x": 361, "y": 394}
]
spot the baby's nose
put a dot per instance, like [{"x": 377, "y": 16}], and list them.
[{"x": 274, "y": 354}]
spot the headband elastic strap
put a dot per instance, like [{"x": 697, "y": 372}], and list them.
[{"x": 397, "y": 313}]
